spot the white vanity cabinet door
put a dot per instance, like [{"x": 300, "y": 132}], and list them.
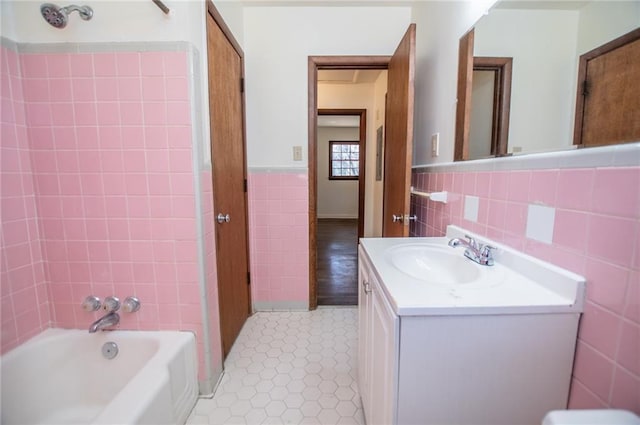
[
  {"x": 378, "y": 349},
  {"x": 384, "y": 359},
  {"x": 364, "y": 339}
]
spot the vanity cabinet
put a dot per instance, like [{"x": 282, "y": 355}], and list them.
[
  {"x": 378, "y": 349},
  {"x": 422, "y": 361}
]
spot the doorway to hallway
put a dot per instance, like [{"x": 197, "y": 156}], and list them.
[
  {"x": 341, "y": 151},
  {"x": 398, "y": 143}
]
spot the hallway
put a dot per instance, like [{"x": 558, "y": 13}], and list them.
[{"x": 337, "y": 273}]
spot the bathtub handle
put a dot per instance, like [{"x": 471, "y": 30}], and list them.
[
  {"x": 91, "y": 303},
  {"x": 131, "y": 305},
  {"x": 111, "y": 304}
]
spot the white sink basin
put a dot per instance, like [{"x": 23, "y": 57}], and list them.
[
  {"x": 442, "y": 265},
  {"x": 425, "y": 276}
]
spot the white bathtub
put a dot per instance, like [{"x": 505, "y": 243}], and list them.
[{"x": 61, "y": 377}]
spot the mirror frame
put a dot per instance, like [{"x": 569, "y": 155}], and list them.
[{"x": 463, "y": 106}]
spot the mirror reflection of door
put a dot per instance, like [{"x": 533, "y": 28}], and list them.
[
  {"x": 490, "y": 107},
  {"x": 482, "y": 113},
  {"x": 608, "y": 100},
  {"x": 488, "y": 101}
]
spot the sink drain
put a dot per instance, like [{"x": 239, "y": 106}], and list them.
[{"x": 109, "y": 350}]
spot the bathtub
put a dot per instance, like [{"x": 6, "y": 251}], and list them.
[{"x": 61, "y": 377}]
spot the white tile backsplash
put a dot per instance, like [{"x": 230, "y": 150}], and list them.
[
  {"x": 540, "y": 222},
  {"x": 471, "y": 206}
]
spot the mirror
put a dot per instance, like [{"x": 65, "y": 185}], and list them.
[{"x": 544, "y": 41}]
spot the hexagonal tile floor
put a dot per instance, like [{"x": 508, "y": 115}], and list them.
[{"x": 289, "y": 368}]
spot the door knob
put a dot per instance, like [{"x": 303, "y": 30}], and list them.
[
  {"x": 223, "y": 218},
  {"x": 398, "y": 218}
]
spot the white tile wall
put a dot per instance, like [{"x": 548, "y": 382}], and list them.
[
  {"x": 471, "y": 206},
  {"x": 540, "y": 223}
]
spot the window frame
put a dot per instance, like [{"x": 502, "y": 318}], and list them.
[{"x": 343, "y": 142}]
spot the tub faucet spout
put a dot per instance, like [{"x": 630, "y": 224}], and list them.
[{"x": 105, "y": 321}]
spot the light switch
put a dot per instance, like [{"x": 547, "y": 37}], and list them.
[{"x": 297, "y": 153}]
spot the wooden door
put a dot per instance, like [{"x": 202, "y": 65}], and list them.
[
  {"x": 608, "y": 103},
  {"x": 228, "y": 160},
  {"x": 398, "y": 148}
]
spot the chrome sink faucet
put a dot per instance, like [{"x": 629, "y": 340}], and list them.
[
  {"x": 111, "y": 305},
  {"x": 479, "y": 253}
]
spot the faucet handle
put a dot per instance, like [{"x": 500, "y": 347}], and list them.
[
  {"x": 472, "y": 241},
  {"x": 111, "y": 304},
  {"x": 486, "y": 254},
  {"x": 91, "y": 303},
  {"x": 486, "y": 250},
  {"x": 131, "y": 305}
]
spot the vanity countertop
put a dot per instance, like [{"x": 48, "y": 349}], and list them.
[{"x": 516, "y": 284}]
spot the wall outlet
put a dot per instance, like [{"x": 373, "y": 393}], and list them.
[
  {"x": 435, "y": 145},
  {"x": 297, "y": 153}
]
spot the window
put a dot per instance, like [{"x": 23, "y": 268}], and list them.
[{"x": 344, "y": 160}]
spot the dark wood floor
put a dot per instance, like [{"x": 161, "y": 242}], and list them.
[{"x": 337, "y": 244}]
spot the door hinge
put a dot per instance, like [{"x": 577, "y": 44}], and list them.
[
  {"x": 585, "y": 88},
  {"x": 242, "y": 85},
  {"x": 245, "y": 185},
  {"x": 248, "y": 278}
]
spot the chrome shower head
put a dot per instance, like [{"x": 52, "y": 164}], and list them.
[{"x": 58, "y": 16}]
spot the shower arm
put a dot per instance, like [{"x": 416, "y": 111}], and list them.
[
  {"x": 162, "y": 6},
  {"x": 85, "y": 12}
]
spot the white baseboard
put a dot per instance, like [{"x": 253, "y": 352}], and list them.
[
  {"x": 338, "y": 216},
  {"x": 280, "y": 306}
]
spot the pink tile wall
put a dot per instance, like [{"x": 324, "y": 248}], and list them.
[
  {"x": 97, "y": 168},
  {"x": 596, "y": 234},
  {"x": 113, "y": 172},
  {"x": 24, "y": 302},
  {"x": 279, "y": 237}
]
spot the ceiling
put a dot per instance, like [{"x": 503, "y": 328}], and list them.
[
  {"x": 338, "y": 121},
  {"x": 348, "y": 76},
  {"x": 344, "y": 76}
]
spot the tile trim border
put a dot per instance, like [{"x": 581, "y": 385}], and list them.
[
  {"x": 267, "y": 170},
  {"x": 97, "y": 47},
  {"x": 8, "y": 43},
  {"x": 626, "y": 155}
]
